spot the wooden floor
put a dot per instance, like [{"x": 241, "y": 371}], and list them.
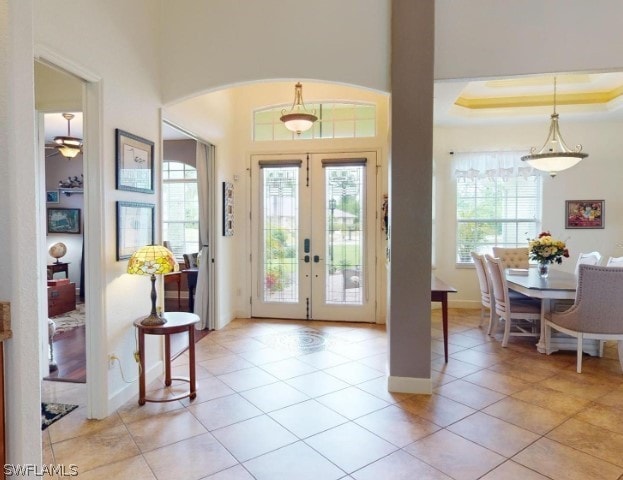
[{"x": 70, "y": 351}]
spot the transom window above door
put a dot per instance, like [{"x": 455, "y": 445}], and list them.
[{"x": 335, "y": 120}]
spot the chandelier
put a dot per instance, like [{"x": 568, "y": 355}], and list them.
[
  {"x": 554, "y": 155},
  {"x": 298, "y": 119}
]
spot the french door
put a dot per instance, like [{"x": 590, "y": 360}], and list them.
[{"x": 313, "y": 220}]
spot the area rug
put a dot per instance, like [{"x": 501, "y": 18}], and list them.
[
  {"x": 70, "y": 320},
  {"x": 51, "y": 412}
]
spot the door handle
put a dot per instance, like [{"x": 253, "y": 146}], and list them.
[
  {"x": 306, "y": 258},
  {"x": 316, "y": 258},
  {"x": 306, "y": 245}
]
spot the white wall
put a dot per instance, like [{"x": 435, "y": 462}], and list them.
[
  {"x": 484, "y": 38},
  {"x": 596, "y": 177},
  {"x": 122, "y": 51},
  {"x": 214, "y": 43}
]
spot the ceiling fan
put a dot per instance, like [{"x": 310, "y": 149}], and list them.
[{"x": 67, "y": 146}]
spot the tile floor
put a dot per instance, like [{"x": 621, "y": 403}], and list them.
[{"x": 308, "y": 400}]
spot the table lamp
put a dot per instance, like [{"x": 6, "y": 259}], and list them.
[{"x": 152, "y": 260}]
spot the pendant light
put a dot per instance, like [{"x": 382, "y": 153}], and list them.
[
  {"x": 298, "y": 119},
  {"x": 554, "y": 155},
  {"x": 68, "y": 146}
]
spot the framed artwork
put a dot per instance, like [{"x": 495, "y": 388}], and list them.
[
  {"x": 584, "y": 213},
  {"x": 63, "y": 220},
  {"x": 228, "y": 209},
  {"x": 52, "y": 196},
  {"x": 135, "y": 163},
  {"x": 135, "y": 227}
]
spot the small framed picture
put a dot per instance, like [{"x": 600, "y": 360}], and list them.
[
  {"x": 228, "y": 209},
  {"x": 135, "y": 163},
  {"x": 52, "y": 196},
  {"x": 584, "y": 213},
  {"x": 135, "y": 227},
  {"x": 63, "y": 220}
]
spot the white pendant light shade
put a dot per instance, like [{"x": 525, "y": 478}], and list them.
[
  {"x": 554, "y": 156},
  {"x": 298, "y": 119},
  {"x": 68, "y": 146}
]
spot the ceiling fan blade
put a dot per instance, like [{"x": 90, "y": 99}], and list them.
[{"x": 52, "y": 154}]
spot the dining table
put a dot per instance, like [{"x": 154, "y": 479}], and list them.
[{"x": 558, "y": 285}]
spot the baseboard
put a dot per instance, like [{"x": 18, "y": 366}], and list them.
[
  {"x": 410, "y": 385},
  {"x": 130, "y": 391}
]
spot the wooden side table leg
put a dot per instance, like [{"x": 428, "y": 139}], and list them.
[
  {"x": 444, "y": 315},
  {"x": 167, "y": 360},
  {"x": 141, "y": 354},
  {"x": 191, "y": 357}
]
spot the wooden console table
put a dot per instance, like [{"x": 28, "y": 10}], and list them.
[
  {"x": 177, "y": 322},
  {"x": 58, "y": 267}
]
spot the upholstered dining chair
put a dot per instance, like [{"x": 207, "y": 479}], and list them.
[
  {"x": 591, "y": 258},
  {"x": 486, "y": 295},
  {"x": 521, "y": 314},
  {"x": 596, "y": 312},
  {"x": 512, "y": 257},
  {"x": 190, "y": 260},
  {"x": 614, "y": 262}
]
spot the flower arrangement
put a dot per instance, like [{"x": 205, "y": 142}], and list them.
[{"x": 545, "y": 249}]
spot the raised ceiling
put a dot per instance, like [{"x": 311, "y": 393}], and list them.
[{"x": 589, "y": 96}]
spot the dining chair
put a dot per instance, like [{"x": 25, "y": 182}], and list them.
[
  {"x": 614, "y": 262},
  {"x": 521, "y": 314},
  {"x": 486, "y": 295},
  {"x": 512, "y": 257},
  {"x": 596, "y": 313},
  {"x": 592, "y": 258}
]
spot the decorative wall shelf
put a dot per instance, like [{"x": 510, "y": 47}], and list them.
[{"x": 70, "y": 191}]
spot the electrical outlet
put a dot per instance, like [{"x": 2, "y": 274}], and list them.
[{"x": 111, "y": 360}]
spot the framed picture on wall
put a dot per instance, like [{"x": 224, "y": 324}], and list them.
[
  {"x": 135, "y": 227},
  {"x": 228, "y": 209},
  {"x": 52, "y": 196},
  {"x": 135, "y": 163},
  {"x": 584, "y": 213},
  {"x": 63, "y": 220}
]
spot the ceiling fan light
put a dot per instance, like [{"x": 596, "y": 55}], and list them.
[{"x": 68, "y": 151}]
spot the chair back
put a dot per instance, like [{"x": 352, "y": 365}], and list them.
[
  {"x": 483, "y": 278},
  {"x": 496, "y": 268},
  {"x": 190, "y": 260},
  {"x": 599, "y": 300},
  {"x": 615, "y": 262},
  {"x": 591, "y": 258},
  {"x": 512, "y": 257}
]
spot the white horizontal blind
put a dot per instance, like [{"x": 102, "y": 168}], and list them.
[
  {"x": 496, "y": 206},
  {"x": 180, "y": 207}
]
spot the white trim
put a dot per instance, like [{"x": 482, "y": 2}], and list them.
[
  {"x": 410, "y": 385},
  {"x": 52, "y": 59}
]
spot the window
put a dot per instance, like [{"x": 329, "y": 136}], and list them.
[
  {"x": 498, "y": 202},
  {"x": 180, "y": 214},
  {"x": 335, "y": 120}
]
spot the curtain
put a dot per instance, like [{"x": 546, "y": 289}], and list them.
[
  {"x": 468, "y": 165},
  {"x": 205, "y": 158}
]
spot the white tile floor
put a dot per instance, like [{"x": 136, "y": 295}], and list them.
[{"x": 268, "y": 408}]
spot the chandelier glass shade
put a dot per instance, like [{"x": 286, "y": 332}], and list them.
[
  {"x": 554, "y": 156},
  {"x": 298, "y": 119},
  {"x": 67, "y": 145}
]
